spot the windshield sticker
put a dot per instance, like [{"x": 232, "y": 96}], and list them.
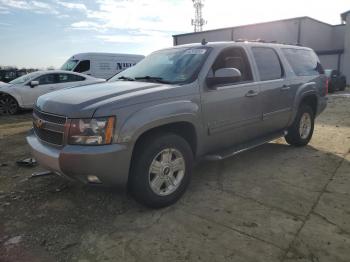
[{"x": 195, "y": 51}]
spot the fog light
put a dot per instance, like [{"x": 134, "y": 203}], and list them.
[{"x": 94, "y": 179}]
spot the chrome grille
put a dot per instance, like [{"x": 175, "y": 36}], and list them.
[{"x": 49, "y": 127}]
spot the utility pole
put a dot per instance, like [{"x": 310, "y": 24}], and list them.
[{"x": 198, "y": 20}]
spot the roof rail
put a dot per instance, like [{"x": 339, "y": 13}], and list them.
[{"x": 264, "y": 41}]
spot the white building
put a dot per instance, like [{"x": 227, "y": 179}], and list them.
[{"x": 331, "y": 42}]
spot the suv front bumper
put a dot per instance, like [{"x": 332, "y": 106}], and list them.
[{"x": 110, "y": 163}]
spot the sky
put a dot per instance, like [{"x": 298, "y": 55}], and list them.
[{"x": 43, "y": 33}]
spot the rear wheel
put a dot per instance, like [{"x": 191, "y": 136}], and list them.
[
  {"x": 161, "y": 170},
  {"x": 8, "y": 105},
  {"x": 300, "y": 133}
]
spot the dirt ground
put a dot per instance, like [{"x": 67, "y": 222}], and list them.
[{"x": 273, "y": 203}]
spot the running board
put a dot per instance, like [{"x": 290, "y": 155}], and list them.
[{"x": 243, "y": 147}]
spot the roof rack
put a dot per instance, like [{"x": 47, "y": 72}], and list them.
[{"x": 264, "y": 41}]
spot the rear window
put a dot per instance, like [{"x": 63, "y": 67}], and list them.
[
  {"x": 268, "y": 63},
  {"x": 303, "y": 62}
]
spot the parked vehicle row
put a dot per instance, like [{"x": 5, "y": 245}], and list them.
[
  {"x": 144, "y": 128},
  {"x": 336, "y": 80},
  {"x": 22, "y": 92},
  {"x": 101, "y": 65}
]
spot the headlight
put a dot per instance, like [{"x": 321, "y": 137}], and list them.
[{"x": 95, "y": 131}]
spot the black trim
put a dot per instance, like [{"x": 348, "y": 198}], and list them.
[{"x": 330, "y": 52}]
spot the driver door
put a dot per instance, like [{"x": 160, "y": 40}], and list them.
[
  {"x": 232, "y": 111},
  {"x": 47, "y": 83}
]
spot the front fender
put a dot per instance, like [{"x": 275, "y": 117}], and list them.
[
  {"x": 13, "y": 94},
  {"x": 158, "y": 115}
]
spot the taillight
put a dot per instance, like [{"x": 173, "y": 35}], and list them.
[{"x": 326, "y": 87}]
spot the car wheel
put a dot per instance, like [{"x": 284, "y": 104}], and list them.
[
  {"x": 8, "y": 105},
  {"x": 300, "y": 133},
  {"x": 161, "y": 170}
]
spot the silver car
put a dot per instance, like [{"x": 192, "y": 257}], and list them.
[
  {"x": 144, "y": 128},
  {"x": 24, "y": 91}
]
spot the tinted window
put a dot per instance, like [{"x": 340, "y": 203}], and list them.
[
  {"x": 63, "y": 78},
  {"x": 233, "y": 58},
  {"x": 47, "y": 79},
  {"x": 268, "y": 63},
  {"x": 303, "y": 62},
  {"x": 83, "y": 66}
]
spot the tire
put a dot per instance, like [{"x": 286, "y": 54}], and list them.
[
  {"x": 8, "y": 105},
  {"x": 165, "y": 185},
  {"x": 298, "y": 136}
]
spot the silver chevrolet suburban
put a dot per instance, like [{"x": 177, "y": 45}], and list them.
[{"x": 146, "y": 126}]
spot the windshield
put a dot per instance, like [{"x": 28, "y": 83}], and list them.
[
  {"x": 177, "y": 65},
  {"x": 25, "y": 78},
  {"x": 69, "y": 65}
]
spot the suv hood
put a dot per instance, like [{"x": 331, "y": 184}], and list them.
[{"x": 81, "y": 102}]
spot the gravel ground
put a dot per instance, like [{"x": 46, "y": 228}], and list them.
[{"x": 273, "y": 203}]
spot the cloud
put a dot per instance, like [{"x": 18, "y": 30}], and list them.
[
  {"x": 28, "y": 5},
  {"x": 77, "y": 6}
]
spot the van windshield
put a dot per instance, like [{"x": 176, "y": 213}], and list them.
[
  {"x": 174, "y": 66},
  {"x": 69, "y": 65}
]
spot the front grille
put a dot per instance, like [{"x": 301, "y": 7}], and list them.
[
  {"x": 49, "y": 136},
  {"x": 50, "y": 117},
  {"x": 49, "y": 127}
]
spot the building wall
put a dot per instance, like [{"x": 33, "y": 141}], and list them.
[
  {"x": 329, "y": 61},
  {"x": 280, "y": 31},
  {"x": 316, "y": 35},
  {"x": 346, "y": 57},
  {"x": 338, "y": 36}
]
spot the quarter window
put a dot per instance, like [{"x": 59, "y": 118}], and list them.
[
  {"x": 64, "y": 78},
  {"x": 83, "y": 66},
  {"x": 303, "y": 62},
  {"x": 268, "y": 63}
]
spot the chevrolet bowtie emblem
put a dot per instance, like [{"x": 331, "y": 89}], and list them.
[{"x": 39, "y": 123}]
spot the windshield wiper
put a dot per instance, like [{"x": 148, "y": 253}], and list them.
[
  {"x": 126, "y": 78},
  {"x": 153, "y": 78}
]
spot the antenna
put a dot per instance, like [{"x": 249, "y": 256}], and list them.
[{"x": 198, "y": 20}]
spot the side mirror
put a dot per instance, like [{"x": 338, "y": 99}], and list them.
[
  {"x": 224, "y": 76},
  {"x": 33, "y": 83}
]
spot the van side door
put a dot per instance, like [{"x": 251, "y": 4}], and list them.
[
  {"x": 231, "y": 111},
  {"x": 276, "y": 93}
]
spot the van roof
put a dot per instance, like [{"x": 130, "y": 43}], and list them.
[{"x": 106, "y": 54}]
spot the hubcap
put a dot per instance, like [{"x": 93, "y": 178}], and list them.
[
  {"x": 166, "y": 171},
  {"x": 8, "y": 105},
  {"x": 305, "y": 125}
]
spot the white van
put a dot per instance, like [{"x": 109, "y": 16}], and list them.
[{"x": 100, "y": 65}]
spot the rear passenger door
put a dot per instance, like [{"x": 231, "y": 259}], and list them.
[{"x": 275, "y": 91}]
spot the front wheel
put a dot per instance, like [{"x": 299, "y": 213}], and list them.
[
  {"x": 300, "y": 133},
  {"x": 8, "y": 105},
  {"x": 161, "y": 170}
]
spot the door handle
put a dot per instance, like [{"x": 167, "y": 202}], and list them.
[
  {"x": 251, "y": 93},
  {"x": 285, "y": 88}
]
